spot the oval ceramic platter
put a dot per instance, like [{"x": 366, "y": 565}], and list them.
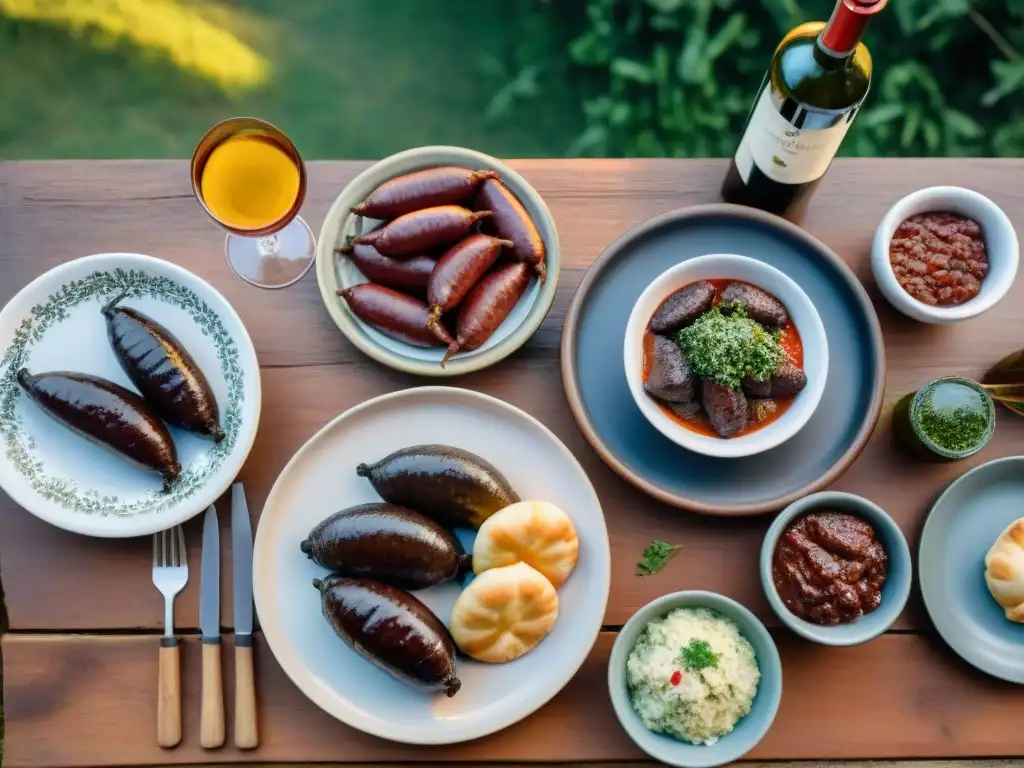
[
  {"x": 595, "y": 381},
  {"x": 55, "y": 323},
  {"x": 961, "y": 527},
  {"x": 335, "y": 271},
  {"x": 321, "y": 479}
]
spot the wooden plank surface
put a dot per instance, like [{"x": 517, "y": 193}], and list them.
[
  {"x": 55, "y": 582},
  {"x": 50, "y": 212},
  {"x": 90, "y": 701}
]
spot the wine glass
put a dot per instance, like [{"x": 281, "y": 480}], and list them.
[{"x": 250, "y": 179}]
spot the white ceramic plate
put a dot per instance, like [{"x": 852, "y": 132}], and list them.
[
  {"x": 55, "y": 323},
  {"x": 321, "y": 479}
]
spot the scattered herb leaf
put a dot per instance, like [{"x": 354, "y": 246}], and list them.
[
  {"x": 698, "y": 655},
  {"x": 656, "y": 555},
  {"x": 349, "y": 239}
]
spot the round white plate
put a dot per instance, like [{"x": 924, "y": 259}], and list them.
[
  {"x": 321, "y": 479},
  {"x": 55, "y": 323}
]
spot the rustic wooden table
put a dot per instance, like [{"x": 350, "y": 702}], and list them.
[{"x": 80, "y": 656}]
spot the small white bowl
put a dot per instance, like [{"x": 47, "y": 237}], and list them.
[
  {"x": 805, "y": 317},
  {"x": 1000, "y": 244}
]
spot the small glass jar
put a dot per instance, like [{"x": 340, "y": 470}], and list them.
[{"x": 943, "y": 419}]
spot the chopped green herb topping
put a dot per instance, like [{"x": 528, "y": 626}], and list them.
[
  {"x": 698, "y": 655},
  {"x": 954, "y": 426},
  {"x": 657, "y": 554},
  {"x": 730, "y": 348}
]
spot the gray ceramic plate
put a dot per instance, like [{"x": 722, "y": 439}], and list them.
[
  {"x": 958, "y": 533},
  {"x": 595, "y": 383},
  {"x": 334, "y": 271}
]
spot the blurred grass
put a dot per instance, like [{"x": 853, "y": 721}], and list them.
[{"x": 352, "y": 79}]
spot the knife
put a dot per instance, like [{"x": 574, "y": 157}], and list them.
[
  {"x": 246, "y": 734},
  {"x": 211, "y": 732}
]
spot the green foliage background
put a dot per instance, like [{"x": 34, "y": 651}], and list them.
[{"x": 677, "y": 77}]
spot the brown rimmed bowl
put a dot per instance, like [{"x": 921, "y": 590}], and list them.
[{"x": 600, "y": 400}]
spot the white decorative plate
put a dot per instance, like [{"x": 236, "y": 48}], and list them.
[
  {"x": 321, "y": 479},
  {"x": 55, "y": 323}
]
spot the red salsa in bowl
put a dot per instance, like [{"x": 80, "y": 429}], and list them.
[{"x": 939, "y": 258}]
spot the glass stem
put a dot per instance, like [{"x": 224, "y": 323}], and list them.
[{"x": 269, "y": 245}]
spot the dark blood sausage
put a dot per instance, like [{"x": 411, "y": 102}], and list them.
[
  {"x": 419, "y": 231},
  {"x": 456, "y": 488},
  {"x": 683, "y": 307},
  {"x": 672, "y": 378},
  {"x": 446, "y": 185},
  {"x": 459, "y": 269},
  {"x": 399, "y": 316},
  {"x": 726, "y": 408},
  {"x": 760, "y": 306},
  {"x": 107, "y": 414},
  {"x": 787, "y": 381},
  {"x": 409, "y": 275},
  {"x": 392, "y": 630},
  {"x": 386, "y": 542},
  {"x": 487, "y": 306},
  {"x": 512, "y": 222},
  {"x": 163, "y": 371}
]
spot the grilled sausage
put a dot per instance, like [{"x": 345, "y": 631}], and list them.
[
  {"x": 392, "y": 630},
  {"x": 107, "y": 414},
  {"x": 422, "y": 230},
  {"x": 163, "y": 371},
  {"x": 671, "y": 378},
  {"x": 512, "y": 222},
  {"x": 454, "y": 487},
  {"x": 395, "y": 314},
  {"x": 388, "y": 543},
  {"x": 487, "y": 306},
  {"x": 682, "y": 307},
  {"x": 787, "y": 381},
  {"x": 445, "y": 185},
  {"x": 459, "y": 269},
  {"x": 407, "y": 275},
  {"x": 759, "y": 305},
  {"x": 726, "y": 408}
]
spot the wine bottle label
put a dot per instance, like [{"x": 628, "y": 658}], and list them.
[{"x": 783, "y": 152}]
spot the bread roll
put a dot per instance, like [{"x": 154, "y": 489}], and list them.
[
  {"x": 504, "y": 613},
  {"x": 1004, "y": 570},
  {"x": 533, "y": 532}
]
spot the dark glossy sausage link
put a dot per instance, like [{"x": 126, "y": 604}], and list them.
[
  {"x": 420, "y": 231},
  {"x": 512, "y": 222},
  {"x": 446, "y": 185},
  {"x": 488, "y": 305},
  {"x": 459, "y": 269},
  {"x": 395, "y": 314}
]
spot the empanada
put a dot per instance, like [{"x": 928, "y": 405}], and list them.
[
  {"x": 1004, "y": 570},
  {"x": 504, "y": 613},
  {"x": 533, "y": 532}
]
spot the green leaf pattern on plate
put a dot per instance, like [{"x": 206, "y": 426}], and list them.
[{"x": 102, "y": 286}]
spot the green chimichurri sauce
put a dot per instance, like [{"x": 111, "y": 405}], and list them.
[
  {"x": 952, "y": 417},
  {"x": 728, "y": 348}
]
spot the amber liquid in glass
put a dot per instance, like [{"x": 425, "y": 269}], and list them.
[{"x": 249, "y": 181}]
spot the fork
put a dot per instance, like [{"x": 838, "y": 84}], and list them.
[{"x": 170, "y": 574}]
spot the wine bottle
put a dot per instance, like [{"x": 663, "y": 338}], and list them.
[{"x": 818, "y": 77}]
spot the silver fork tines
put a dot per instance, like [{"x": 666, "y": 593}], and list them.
[{"x": 170, "y": 570}]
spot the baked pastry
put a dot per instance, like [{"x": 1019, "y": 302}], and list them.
[
  {"x": 533, "y": 532},
  {"x": 1004, "y": 570},
  {"x": 504, "y": 613}
]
